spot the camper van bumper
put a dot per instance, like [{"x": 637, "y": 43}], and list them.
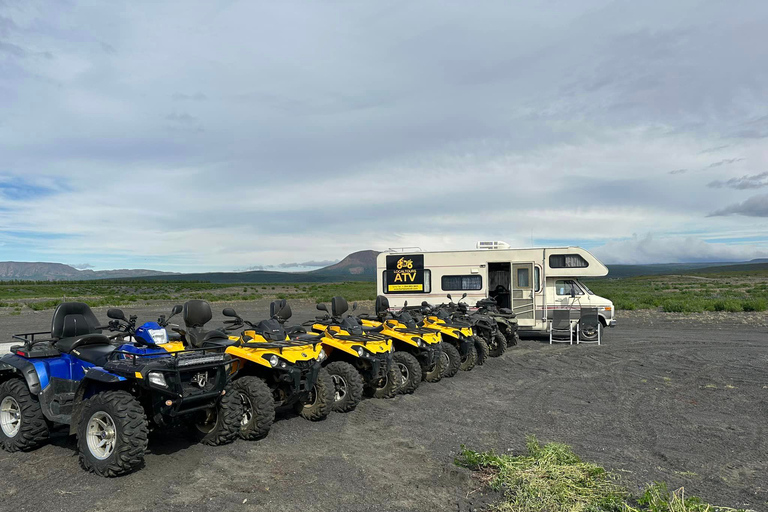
[{"x": 612, "y": 323}]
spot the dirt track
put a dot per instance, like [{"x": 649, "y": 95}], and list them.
[{"x": 673, "y": 401}]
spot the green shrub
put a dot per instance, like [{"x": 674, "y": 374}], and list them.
[{"x": 754, "y": 305}]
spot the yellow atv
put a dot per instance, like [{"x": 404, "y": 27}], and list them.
[
  {"x": 358, "y": 361},
  {"x": 270, "y": 370},
  {"x": 418, "y": 350},
  {"x": 459, "y": 343}
]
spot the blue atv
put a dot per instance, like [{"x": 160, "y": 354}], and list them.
[{"x": 110, "y": 393}]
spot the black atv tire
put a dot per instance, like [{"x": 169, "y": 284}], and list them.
[
  {"x": 131, "y": 429},
  {"x": 390, "y": 386},
  {"x": 222, "y": 423},
  {"x": 469, "y": 359},
  {"x": 258, "y": 407},
  {"x": 498, "y": 345},
  {"x": 410, "y": 371},
  {"x": 436, "y": 371},
  {"x": 454, "y": 360},
  {"x": 33, "y": 427},
  {"x": 347, "y": 386},
  {"x": 321, "y": 398},
  {"x": 481, "y": 347}
]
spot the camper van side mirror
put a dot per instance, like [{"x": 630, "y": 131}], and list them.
[
  {"x": 573, "y": 293},
  {"x": 322, "y": 307}
]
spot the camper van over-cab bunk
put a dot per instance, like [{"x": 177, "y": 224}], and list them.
[{"x": 532, "y": 282}]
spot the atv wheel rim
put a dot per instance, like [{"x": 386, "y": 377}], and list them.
[
  {"x": 339, "y": 386},
  {"x": 446, "y": 360},
  {"x": 207, "y": 425},
  {"x": 10, "y": 416},
  {"x": 404, "y": 372},
  {"x": 101, "y": 435},
  {"x": 247, "y": 410}
]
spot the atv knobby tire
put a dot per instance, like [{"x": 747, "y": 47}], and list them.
[
  {"x": 498, "y": 345},
  {"x": 481, "y": 347},
  {"x": 347, "y": 389},
  {"x": 387, "y": 387},
  {"x": 120, "y": 413},
  {"x": 25, "y": 420},
  {"x": 320, "y": 398},
  {"x": 410, "y": 371},
  {"x": 258, "y": 407},
  {"x": 469, "y": 359},
  {"x": 454, "y": 359},
  {"x": 221, "y": 424},
  {"x": 513, "y": 339},
  {"x": 436, "y": 371}
]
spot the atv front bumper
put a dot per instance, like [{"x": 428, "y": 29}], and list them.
[
  {"x": 297, "y": 380},
  {"x": 375, "y": 368}
]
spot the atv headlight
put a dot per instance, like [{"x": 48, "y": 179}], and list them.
[
  {"x": 159, "y": 336},
  {"x": 273, "y": 360},
  {"x": 360, "y": 351},
  {"x": 322, "y": 355},
  {"x": 420, "y": 343},
  {"x": 158, "y": 379}
]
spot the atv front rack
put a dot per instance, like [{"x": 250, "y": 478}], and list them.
[
  {"x": 179, "y": 358},
  {"x": 357, "y": 338},
  {"x": 279, "y": 345}
]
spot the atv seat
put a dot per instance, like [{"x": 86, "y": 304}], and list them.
[
  {"x": 74, "y": 325},
  {"x": 96, "y": 354},
  {"x": 197, "y": 313}
]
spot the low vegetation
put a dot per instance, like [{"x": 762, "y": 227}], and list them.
[
  {"x": 553, "y": 478},
  {"x": 45, "y": 295},
  {"x": 694, "y": 293}
]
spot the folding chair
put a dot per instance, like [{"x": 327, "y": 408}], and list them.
[
  {"x": 559, "y": 325},
  {"x": 589, "y": 321}
]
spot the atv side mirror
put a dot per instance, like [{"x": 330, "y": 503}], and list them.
[
  {"x": 116, "y": 314},
  {"x": 405, "y": 304},
  {"x": 424, "y": 304},
  {"x": 178, "y": 308},
  {"x": 322, "y": 307},
  {"x": 230, "y": 313},
  {"x": 463, "y": 296},
  {"x": 354, "y": 305},
  {"x": 449, "y": 297}
]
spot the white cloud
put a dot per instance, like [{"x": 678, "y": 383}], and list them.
[{"x": 651, "y": 249}]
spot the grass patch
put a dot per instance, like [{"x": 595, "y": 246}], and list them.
[{"x": 553, "y": 478}]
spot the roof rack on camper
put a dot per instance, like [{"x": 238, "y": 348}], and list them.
[
  {"x": 492, "y": 245},
  {"x": 405, "y": 249}
]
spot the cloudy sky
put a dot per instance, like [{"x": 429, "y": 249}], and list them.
[{"x": 229, "y": 135}]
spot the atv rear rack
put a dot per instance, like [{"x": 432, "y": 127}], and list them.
[{"x": 358, "y": 338}]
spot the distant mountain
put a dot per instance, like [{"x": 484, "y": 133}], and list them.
[
  {"x": 358, "y": 265},
  {"x": 41, "y": 271},
  {"x": 616, "y": 271}
]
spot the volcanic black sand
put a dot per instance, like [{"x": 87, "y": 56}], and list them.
[{"x": 678, "y": 401}]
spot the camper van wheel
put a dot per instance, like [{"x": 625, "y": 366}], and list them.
[
  {"x": 587, "y": 333},
  {"x": 453, "y": 361},
  {"x": 469, "y": 359},
  {"x": 498, "y": 345}
]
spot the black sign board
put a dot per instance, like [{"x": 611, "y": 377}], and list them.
[{"x": 405, "y": 273}]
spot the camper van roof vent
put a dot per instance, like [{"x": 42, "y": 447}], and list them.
[
  {"x": 492, "y": 245},
  {"x": 405, "y": 249}
]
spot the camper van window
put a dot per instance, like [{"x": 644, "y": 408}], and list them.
[
  {"x": 523, "y": 278},
  {"x": 567, "y": 261},
  {"x": 458, "y": 283},
  {"x": 585, "y": 288},
  {"x": 537, "y": 279},
  {"x": 563, "y": 287}
]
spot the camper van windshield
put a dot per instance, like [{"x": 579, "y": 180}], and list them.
[{"x": 585, "y": 287}]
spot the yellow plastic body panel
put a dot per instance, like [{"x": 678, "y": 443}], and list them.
[
  {"x": 350, "y": 347},
  {"x": 394, "y": 329}
]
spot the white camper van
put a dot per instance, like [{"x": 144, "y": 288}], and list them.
[{"x": 532, "y": 282}]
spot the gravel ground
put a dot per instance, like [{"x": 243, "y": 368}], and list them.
[{"x": 683, "y": 400}]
